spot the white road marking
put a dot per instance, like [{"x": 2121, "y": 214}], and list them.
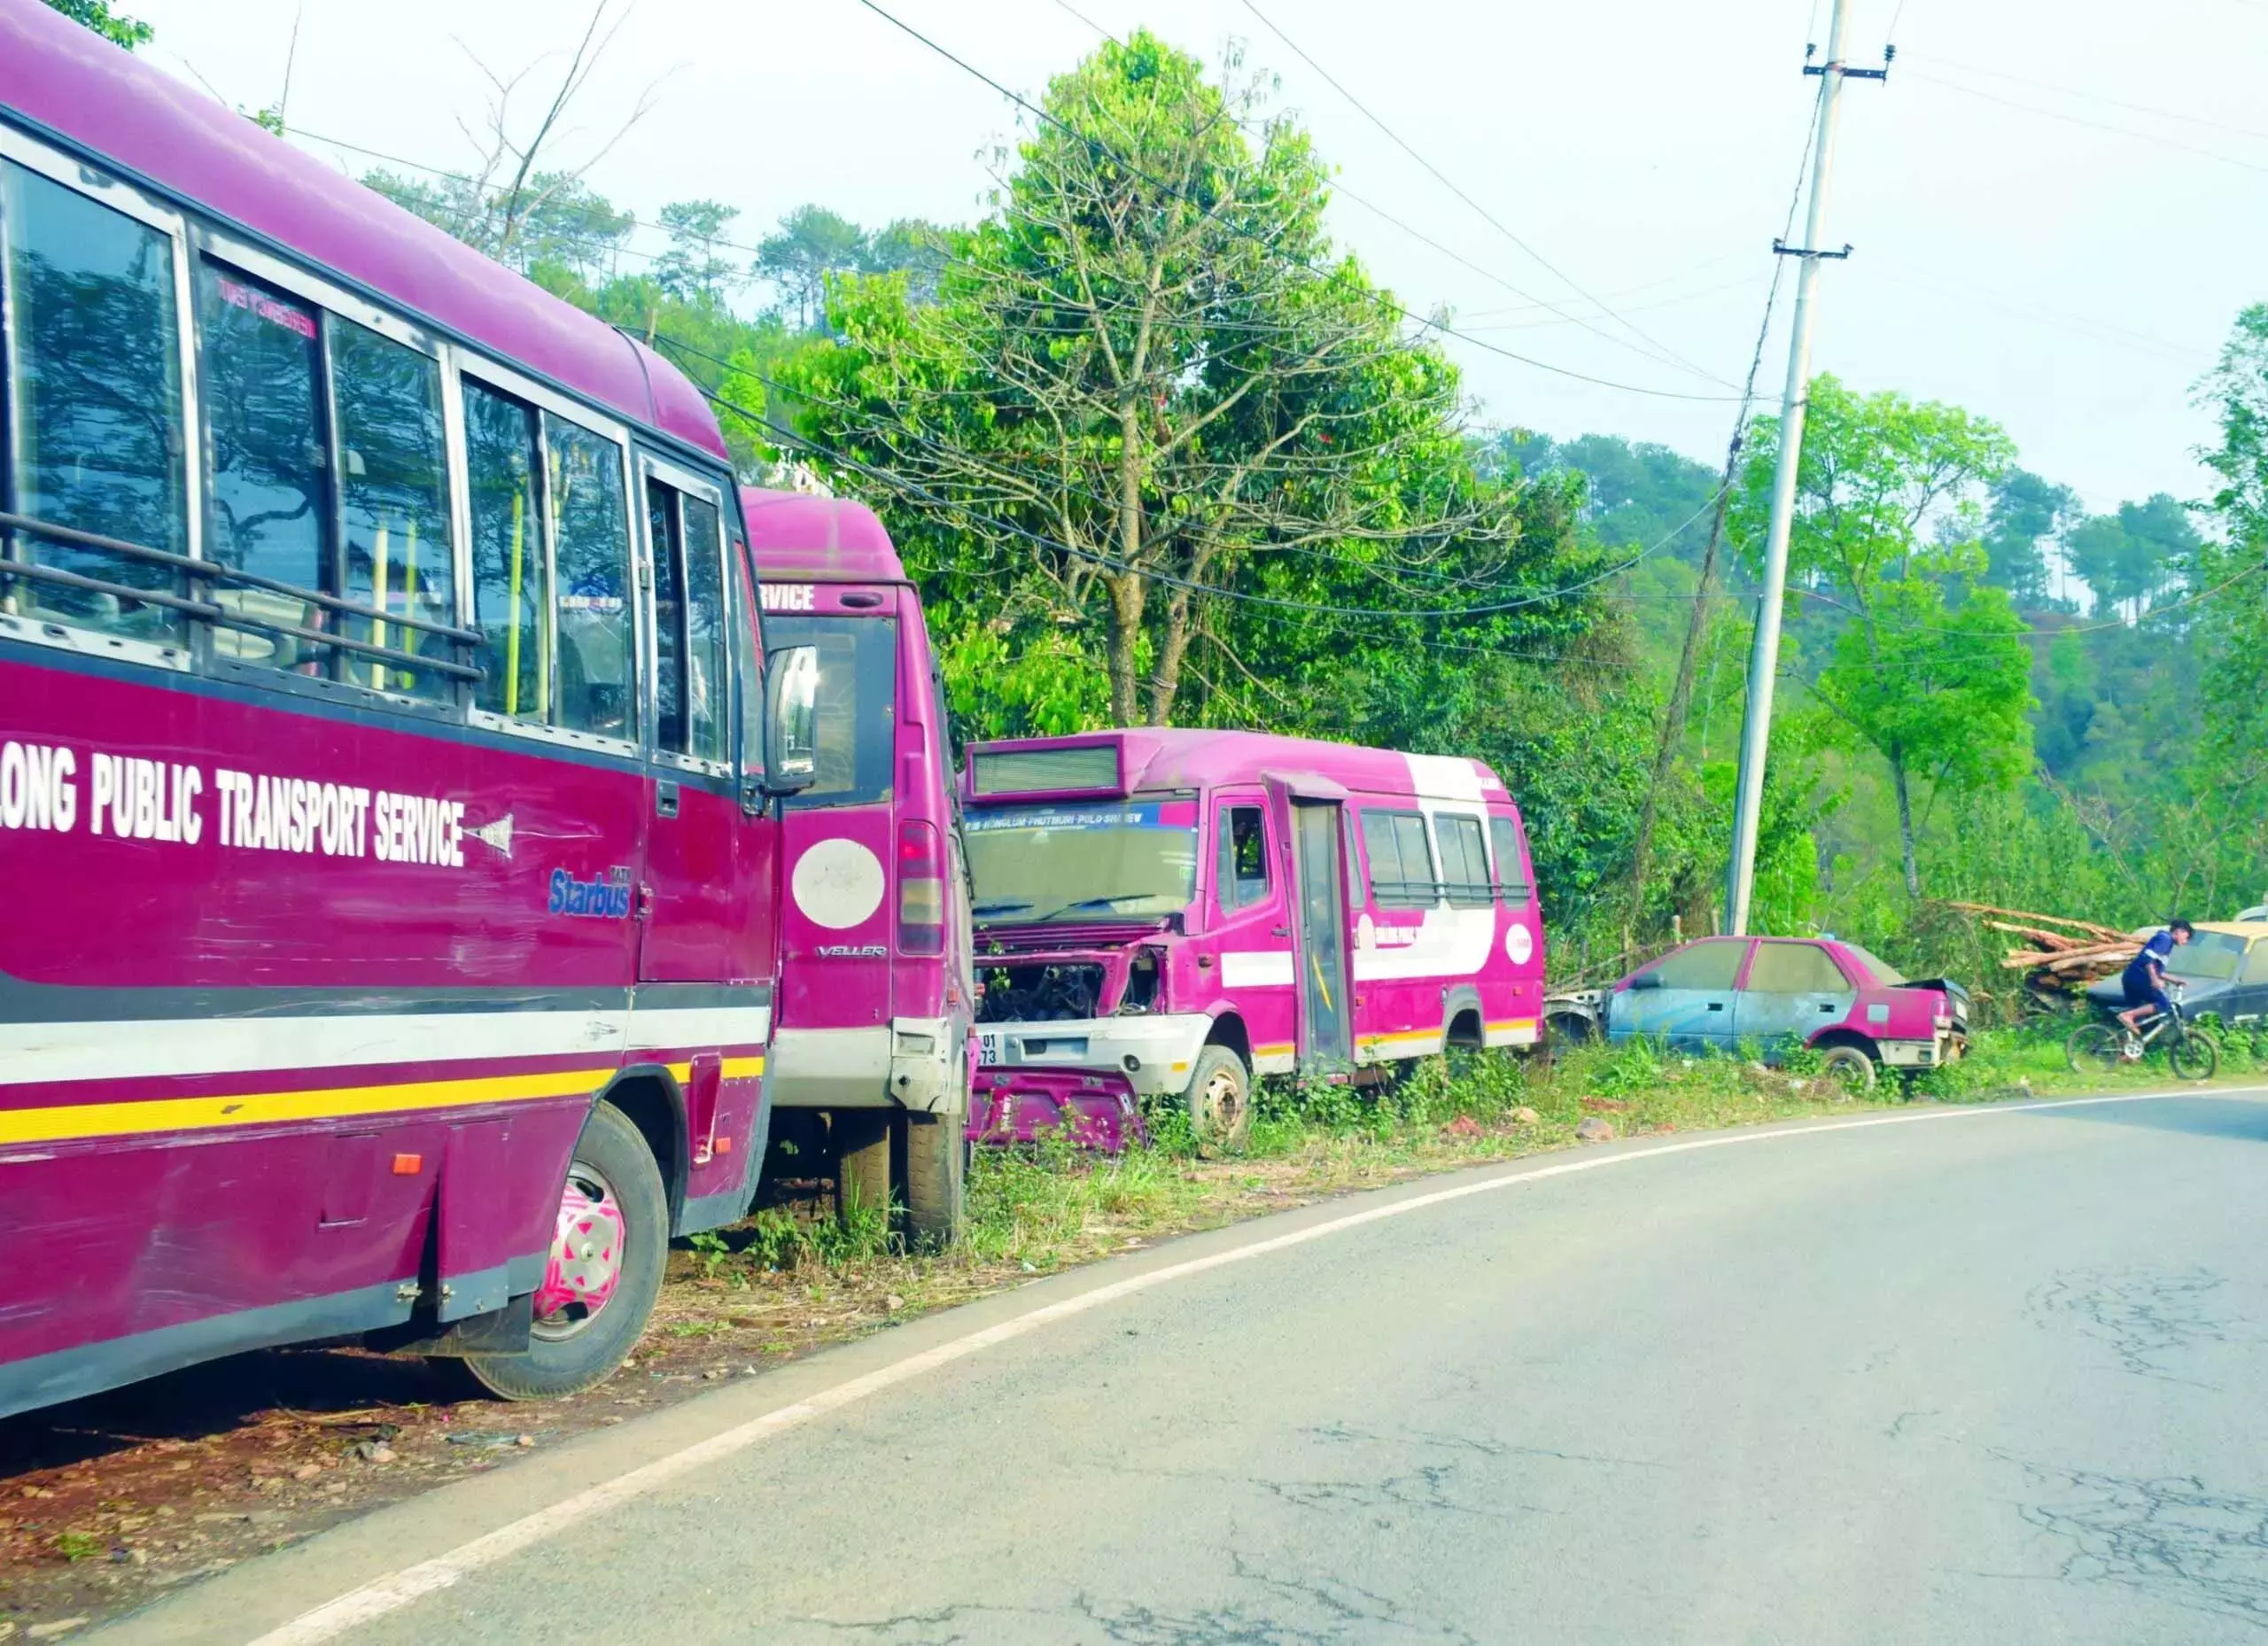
[{"x": 390, "y": 1593}]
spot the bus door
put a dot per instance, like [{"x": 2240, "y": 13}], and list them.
[
  {"x": 700, "y": 895},
  {"x": 1325, "y": 1033}
]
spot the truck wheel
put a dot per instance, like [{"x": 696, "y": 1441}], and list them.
[
  {"x": 1849, "y": 1068},
  {"x": 1220, "y": 1100},
  {"x": 860, "y": 1139},
  {"x": 605, "y": 1270},
  {"x": 937, "y": 1158}
]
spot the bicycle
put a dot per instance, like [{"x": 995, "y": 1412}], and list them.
[{"x": 2101, "y": 1048}]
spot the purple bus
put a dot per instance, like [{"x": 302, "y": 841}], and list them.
[
  {"x": 870, "y": 1055},
  {"x": 1168, "y": 915},
  {"x": 383, "y": 797}
]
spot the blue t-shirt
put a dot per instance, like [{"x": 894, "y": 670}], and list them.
[{"x": 2159, "y": 949}]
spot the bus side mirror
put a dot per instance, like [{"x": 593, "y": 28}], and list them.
[{"x": 790, "y": 719}]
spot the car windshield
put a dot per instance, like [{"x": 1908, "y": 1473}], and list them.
[
  {"x": 1882, "y": 971},
  {"x": 2210, "y": 957},
  {"x": 1081, "y": 862}
]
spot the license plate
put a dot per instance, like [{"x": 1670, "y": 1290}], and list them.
[{"x": 988, "y": 1049}]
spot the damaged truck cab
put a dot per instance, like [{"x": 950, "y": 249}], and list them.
[{"x": 1166, "y": 915}]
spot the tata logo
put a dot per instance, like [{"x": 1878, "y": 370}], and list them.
[{"x": 597, "y": 898}]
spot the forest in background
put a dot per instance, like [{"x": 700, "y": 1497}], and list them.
[{"x": 1156, "y": 449}]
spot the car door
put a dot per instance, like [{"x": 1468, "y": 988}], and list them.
[
  {"x": 1689, "y": 1003},
  {"x": 1792, "y": 991}
]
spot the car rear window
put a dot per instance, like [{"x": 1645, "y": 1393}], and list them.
[{"x": 1882, "y": 971}]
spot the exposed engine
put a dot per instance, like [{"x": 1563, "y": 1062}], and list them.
[{"x": 1040, "y": 994}]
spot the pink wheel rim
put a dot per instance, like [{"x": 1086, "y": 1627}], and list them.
[{"x": 585, "y": 1262}]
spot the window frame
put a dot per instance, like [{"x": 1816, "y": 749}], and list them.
[
  {"x": 1510, "y": 825},
  {"x": 1467, "y": 894},
  {"x": 119, "y": 195},
  {"x": 1403, "y": 897},
  {"x": 332, "y": 301},
  {"x": 689, "y": 483},
  {"x": 1748, "y": 984},
  {"x": 1224, "y": 810},
  {"x": 497, "y": 378}
]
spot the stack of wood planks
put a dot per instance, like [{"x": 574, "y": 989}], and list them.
[{"x": 2063, "y": 953}]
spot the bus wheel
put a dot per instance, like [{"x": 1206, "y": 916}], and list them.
[
  {"x": 1220, "y": 1100},
  {"x": 936, "y": 1156},
  {"x": 605, "y": 1270}
]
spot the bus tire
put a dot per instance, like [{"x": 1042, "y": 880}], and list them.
[
  {"x": 860, "y": 1141},
  {"x": 1219, "y": 1099},
  {"x": 937, "y": 1158},
  {"x": 573, "y": 1344}
]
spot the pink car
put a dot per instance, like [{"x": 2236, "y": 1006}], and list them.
[
  {"x": 1719, "y": 993},
  {"x": 1168, "y": 915}
]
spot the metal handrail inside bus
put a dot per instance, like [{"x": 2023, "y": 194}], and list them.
[{"x": 221, "y": 615}]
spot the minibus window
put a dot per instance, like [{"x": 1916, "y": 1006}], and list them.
[{"x": 1240, "y": 873}]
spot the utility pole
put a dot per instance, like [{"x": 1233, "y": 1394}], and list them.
[{"x": 1764, "y": 655}]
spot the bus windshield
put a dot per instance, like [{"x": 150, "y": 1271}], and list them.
[{"x": 1081, "y": 862}]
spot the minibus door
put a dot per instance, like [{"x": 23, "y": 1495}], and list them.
[{"x": 1325, "y": 1039}]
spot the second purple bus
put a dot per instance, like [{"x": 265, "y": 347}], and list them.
[{"x": 1169, "y": 914}]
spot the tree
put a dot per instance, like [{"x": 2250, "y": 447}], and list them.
[
  {"x": 810, "y": 245},
  {"x": 1146, "y": 379},
  {"x": 2023, "y": 514},
  {"x": 692, "y": 270},
  {"x": 1933, "y": 677},
  {"x": 2227, "y": 577},
  {"x": 115, "y": 27},
  {"x": 913, "y": 247}
]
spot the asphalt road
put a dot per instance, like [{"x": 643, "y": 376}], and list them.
[{"x": 1979, "y": 1376}]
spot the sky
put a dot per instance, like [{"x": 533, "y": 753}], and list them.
[{"x": 2053, "y": 226}]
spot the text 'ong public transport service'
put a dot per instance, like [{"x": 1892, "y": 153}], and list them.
[
  {"x": 389, "y": 769},
  {"x": 1173, "y": 914}
]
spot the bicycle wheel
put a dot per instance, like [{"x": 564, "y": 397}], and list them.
[
  {"x": 2193, "y": 1057},
  {"x": 2093, "y": 1049}
]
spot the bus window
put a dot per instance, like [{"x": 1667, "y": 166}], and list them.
[
  {"x": 1511, "y": 879},
  {"x": 395, "y": 501},
  {"x": 858, "y": 703},
  {"x": 95, "y": 343},
  {"x": 1240, "y": 873},
  {"x": 511, "y": 571},
  {"x": 669, "y": 618},
  {"x": 1402, "y": 867},
  {"x": 748, "y": 668},
  {"x": 593, "y": 588},
  {"x": 708, "y": 686},
  {"x": 1465, "y": 860},
  {"x": 266, "y": 495}
]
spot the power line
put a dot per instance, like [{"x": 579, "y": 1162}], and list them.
[
  {"x": 1098, "y": 145},
  {"x": 2093, "y": 124},
  {"x": 2091, "y": 97},
  {"x": 911, "y": 487},
  {"x": 1486, "y": 216}
]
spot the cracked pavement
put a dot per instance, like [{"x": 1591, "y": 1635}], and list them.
[{"x": 1987, "y": 1380}]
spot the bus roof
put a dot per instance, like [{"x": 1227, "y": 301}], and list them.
[
  {"x": 795, "y": 534},
  {"x": 1169, "y": 759},
  {"x": 79, "y": 87}
]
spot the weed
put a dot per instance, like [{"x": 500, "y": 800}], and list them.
[{"x": 76, "y": 1546}]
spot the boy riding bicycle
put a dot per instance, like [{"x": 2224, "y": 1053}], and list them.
[{"x": 2145, "y": 977}]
